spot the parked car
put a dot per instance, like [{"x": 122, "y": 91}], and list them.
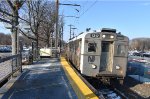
[
  {"x": 136, "y": 54},
  {"x": 5, "y": 49},
  {"x": 146, "y": 55}
]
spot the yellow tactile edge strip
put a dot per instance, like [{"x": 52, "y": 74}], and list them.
[{"x": 80, "y": 88}]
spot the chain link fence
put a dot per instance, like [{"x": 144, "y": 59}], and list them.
[{"x": 9, "y": 65}]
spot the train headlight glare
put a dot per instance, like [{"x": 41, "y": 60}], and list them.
[
  {"x": 103, "y": 36},
  {"x": 111, "y": 36},
  {"x": 94, "y": 66},
  {"x": 118, "y": 67}
]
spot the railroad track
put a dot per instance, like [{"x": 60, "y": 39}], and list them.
[
  {"x": 127, "y": 92},
  {"x": 103, "y": 91},
  {"x": 108, "y": 91},
  {"x": 115, "y": 90}
]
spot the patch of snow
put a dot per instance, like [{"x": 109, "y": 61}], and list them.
[{"x": 36, "y": 65}]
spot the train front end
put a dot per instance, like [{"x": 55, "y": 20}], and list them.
[{"x": 105, "y": 54}]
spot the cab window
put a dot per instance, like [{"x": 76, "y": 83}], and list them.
[
  {"x": 92, "y": 47},
  {"x": 121, "y": 50}
]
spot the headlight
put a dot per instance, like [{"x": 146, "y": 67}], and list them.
[
  {"x": 103, "y": 36},
  {"x": 94, "y": 66},
  {"x": 111, "y": 36},
  {"x": 118, "y": 67}
]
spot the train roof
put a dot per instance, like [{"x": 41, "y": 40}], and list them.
[{"x": 83, "y": 34}]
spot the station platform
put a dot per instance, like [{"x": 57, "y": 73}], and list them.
[{"x": 50, "y": 78}]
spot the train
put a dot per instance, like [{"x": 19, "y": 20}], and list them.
[{"x": 102, "y": 54}]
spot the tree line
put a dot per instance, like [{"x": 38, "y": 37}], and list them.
[
  {"x": 5, "y": 39},
  {"x": 140, "y": 44}
]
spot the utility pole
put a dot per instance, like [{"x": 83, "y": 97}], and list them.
[
  {"x": 70, "y": 29},
  {"x": 57, "y": 17},
  {"x": 52, "y": 40},
  {"x": 61, "y": 39},
  {"x": 73, "y": 31},
  {"x": 62, "y": 34}
]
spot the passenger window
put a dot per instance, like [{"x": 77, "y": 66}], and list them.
[
  {"x": 121, "y": 50},
  {"x": 92, "y": 47}
]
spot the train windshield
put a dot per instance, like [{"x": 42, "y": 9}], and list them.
[
  {"x": 121, "y": 50},
  {"x": 92, "y": 47}
]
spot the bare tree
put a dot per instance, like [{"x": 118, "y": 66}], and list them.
[
  {"x": 9, "y": 13},
  {"x": 36, "y": 10},
  {"x": 47, "y": 26}
]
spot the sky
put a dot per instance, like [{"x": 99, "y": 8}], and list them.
[{"x": 130, "y": 17}]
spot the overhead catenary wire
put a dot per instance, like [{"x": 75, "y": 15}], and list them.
[
  {"x": 80, "y": 14},
  {"x": 76, "y": 11},
  {"x": 75, "y": 8},
  {"x": 89, "y": 8}
]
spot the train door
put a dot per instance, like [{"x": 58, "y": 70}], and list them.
[{"x": 106, "y": 58}]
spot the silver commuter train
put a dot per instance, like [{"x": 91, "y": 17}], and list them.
[{"x": 99, "y": 54}]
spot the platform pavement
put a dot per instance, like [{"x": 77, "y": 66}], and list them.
[{"x": 43, "y": 80}]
